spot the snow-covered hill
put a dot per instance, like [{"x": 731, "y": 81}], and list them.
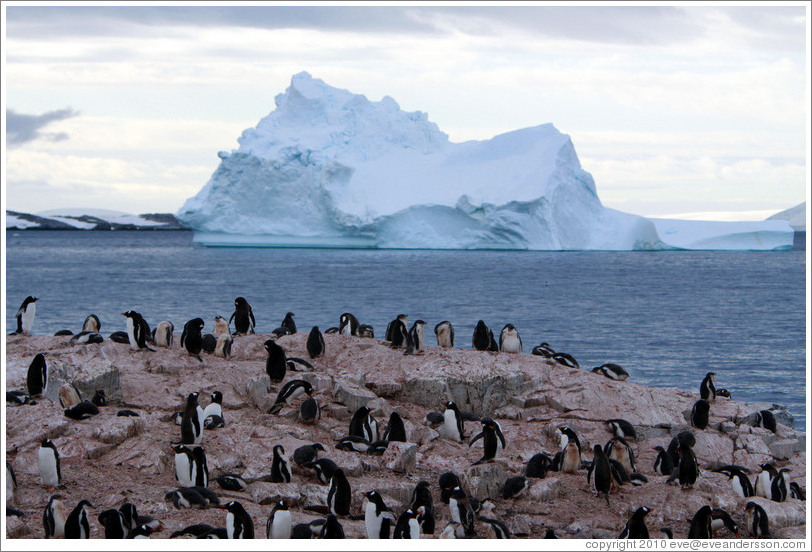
[{"x": 89, "y": 219}]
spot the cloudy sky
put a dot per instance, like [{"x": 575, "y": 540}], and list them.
[{"x": 693, "y": 111}]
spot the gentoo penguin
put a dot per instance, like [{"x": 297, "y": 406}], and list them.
[
  {"x": 719, "y": 519},
  {"x": 760, "y": 524},
  {"x": 354, "y": 443},
  {"x": 83, "y": 338},
  {"x": 113, "y": 522},
  {"x": 600, "y": 473},
  {"x": 663, "y": 464},
  {"x": 408, "y": 526},
  {"x": 192, "y": 531},
  {"x": 537, "y": 466},
  {"x": 483, "y": 337},
  {"x": 509, "y": 339},
  {"x": 450, "y": 530},
  {"x": 26, "y": 314},
  {"x": 137, "y": 330},
  {"x": 330, "y": 330},
  {"x": 543, "y": 350},
  {"x": 279, "y": 332},
  {"x": 566, "y": 359},
  {"x": 306, "y": 453},
  {"x": 231, "y": 482},
  {"x": 82, "y": 411},
  {"x": 378, "y": 516},
  {"x": 348, "y": 324},
  {"x": 17, "y": 397},
  {"x": 550, "y": 534},
  {"x": 239, "y": 524},
  {"x": 77, "y": 525},
  {"x": 37, "y": 378},
  {"x": 778, "y": 487},
  {"x": 99, "y": 398},
  {"x": 612, "y": 371},
  {"x": 707, "y": 389},
  {"x": 396, "y": 331},
  {"x": 120, "y": 337},
  {"x": 363, "y": 424},
  {"x": 243, "y": 317},
  {"x": 214, "y": 408},
  {"x": 183, "y": 465},
  {"x": 221, "y": 326},
  {"x": 200, "y": 468},
  {"x": 280, "y": 473},
  {"x": 278, "y": 525},
  {"x": 723, "y": 393},
  {"x": 191, "y": 426},
  {"x": 142, "y": 531},
  {"x": 688, "y": 468},
  {"x": 395, "y": 430},
  {"x": 332, "y": 528},
  {"x": 276, "y": 365},
  {"x": 445, "y": 334},
  {"x": 324, "y": 468},
  {"x": 683, "y": 437},
  {"x": 164, "y": 334},
  {"x": 290, "y": 391},
  {"x": 618, "y": 449},
  {"x": 54, "y": 516},
  {"x": 447, "y": 481},
  {"x": 453, "y": 427},
  {"x": 208, "y": 343},
  {"x": 701, "y": 524},
  {"x": 192, "y": 497},
  {"x": 636, "y": 528},
  {"x": 495, "y": 529},
  {"x": 796, "y": 492},
  {"x": 223, "y": 347},
  {"x": 192, "y": 339},
  {"x": 315, "y": 343},
  {"x": 570, "y": 450},
  {"x": 415, "y": 343},
  {"x": 739, "y": 480},
  {"x": 421, "y": 498},
  {"x": 296, "y": 364},
  {"x": 622, "y": 428},
  {"x": 766, "y": 419},
  {"x": 310, "y": 411},
  {"x": 91, "y": 324},
  {"x": 492, "y": 439},
  {"x": 460, "y": 508},
  {"x": 366, "y": 330},
  {"x": 514, "y": 486},
  {"x": 49, "y": 466},
  {"x": 132, "y": 519},
  {"x": 700, "y": 413},
  {"x": 339, "y": 494}
]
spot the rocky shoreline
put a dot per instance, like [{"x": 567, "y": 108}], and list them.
[{"x": 109, "y": 459}]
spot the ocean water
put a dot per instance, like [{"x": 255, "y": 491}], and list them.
[{"x": 666, "y": 317}]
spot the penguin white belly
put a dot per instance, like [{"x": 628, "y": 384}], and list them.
[
  {"x": 414, "y": 528},
  {"x": 28, "y": 317},
  {"x": 450, "y": 425},
  {"x": 131, "y": 333},
  {"x": 47, "y": 467},
  {"x": 571, "y": 460},
  {"x": 763, "y": 484},
  {"x": 280, "y": 528},
  {"x": 183, "y": 470},
  {"x": 214, "y": 409},
  {"x": 737, "y": 487},
  {"x": 373, "y": 522},
  {"x": 511, "y": 344},
  {"x": 230, "y": 526},
  {"x": 346, "y": 330},
  {"x": 454, "y": 507}
]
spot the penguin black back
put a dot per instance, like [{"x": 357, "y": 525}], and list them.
[
  {"x": 395, "y": 430},
  {"x": 700, "y": 414},
  {"x": 77, "y": 525},
  {"x": 421, "y": 497},
  {"x": 243, "y": 317},
  {"x": 636, "y": 526},
  {"x": 707, "y": 389},
  {"x": 192, "y": 338},
  {"x": 315, "y": 343},
  {"x": 37, "y": 378},
  {"x": 339, "y": 495},
  {"x": 701, "y": 524},
  {"x": 483, "y": 337},
  {"x": 276, "y": 364},
  {"x": 688, "y": 466}
]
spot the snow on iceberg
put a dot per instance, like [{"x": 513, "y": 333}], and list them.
[{"x": 329, "y": 168}]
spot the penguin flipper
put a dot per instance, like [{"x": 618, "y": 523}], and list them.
[{"x": 474, "y": 439}]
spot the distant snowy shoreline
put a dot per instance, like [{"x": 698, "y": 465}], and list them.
[{"x": 76, "y": 219}]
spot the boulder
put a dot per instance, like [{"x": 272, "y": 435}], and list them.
[{"x": 400, "y": 457}]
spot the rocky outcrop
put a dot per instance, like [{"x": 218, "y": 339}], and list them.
[{"x": 108, "y": 459}]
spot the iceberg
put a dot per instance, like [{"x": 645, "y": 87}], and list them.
[{"x": 330, "y": 168}]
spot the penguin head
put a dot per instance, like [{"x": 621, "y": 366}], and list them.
[
  {"x": 217, "y": 397},
  {"x": 282, "y": 505},
  {"x": 270, "y": 345},
  {"x": 723, "y": 393},
  {"x": 278, "y": 450},
  {"x": 240, "y": 303},
  {"x": 84, "y": 503},
  {"x": 317, "y": 446},
  {"x": 289, "y": 315},
  {"x": 642, "y": 511},
  {"x": 192, "y": 398}
]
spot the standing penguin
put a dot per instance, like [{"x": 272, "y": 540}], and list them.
[
  {"x": 378, "y": 516},
  {"x": 460, "y": 508},
  {"x": 492, "y": 438},
  {"x": 408, "y": 526},
  {"x": 289, "y": 324},
  {"x": 707, "y": 389},
  {"x": 764, "y": 481},
  {"x": 570, "y": 450},
  {"x": 280, "y": 473},
  {"x": 192, "y": 338},
  {"x": 239, "y": 524},
  {"x": 113, "y": 522},
  {"x": 348, "y": 324},
  {"x": 663, "y": 464},
  {"x": 636, "y": 528},
  {"x": 778, "y": 488},
  {"x": 164, "y": 334},
  {"x": 214, "y": 408},
  {"x": 701, "y": 523},
  {"x": 421, "y": 498},
  {"x": 618, "y": 449},
  {"x": 277, "y": 363},
  {"x": 25, "y": 315},
  {"x": 600, "y": 473},
  {"x": 137, "y": 331},
  {"x": 396, "y": 332},
  {"x": 77, "y": 525},
  {"x": 332, "y": 528},
  {"x": 688, "y": 468},
  {"x": 509, "y": 339},
  {"x": 278, "y": 525},
  {"x": 395, "y": 430},
  {"x": 183, "y": 465},
  {"x": 445, "y": 334},
  {"x": 766, "y": 419},
  {"x": 191, "y": 426},
  {"x": 483, "y": 337},
  {"x": 243, "y": 317},
  {"x": 221, "y": 326},
  {"x": 339, "y": 495},
  {"x": 622, "y": 428},
  {"x": 415, "y": 343},
  {"x": 739, "y": 480},
  {"x": 200, "y": 468},
  {"x": 310, "y": 411},
  {"x": 364, "y": 425},
  {"x": 700, "y": 413},
  {"x": 53, "y": 518},
  {"x": 315, "y": 343},
  {"x": 37, "y": 377},
  {"x": 453, "y": 427},
  {"x": 49, "y": 466},
  {"x": 760, "y": 524},
  {"x": 91, "y": 324},
  {"x": 223, "y": 347}
]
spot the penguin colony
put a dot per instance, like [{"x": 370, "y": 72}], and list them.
[{"x": 441, "y": 508}]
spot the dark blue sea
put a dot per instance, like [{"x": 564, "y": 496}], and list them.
[{"x": 666, "y": 317}]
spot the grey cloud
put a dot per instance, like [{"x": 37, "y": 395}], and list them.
[{"x": 22, "y": 128}]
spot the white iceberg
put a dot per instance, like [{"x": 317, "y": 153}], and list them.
[{"x": 329, "y": 168}]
